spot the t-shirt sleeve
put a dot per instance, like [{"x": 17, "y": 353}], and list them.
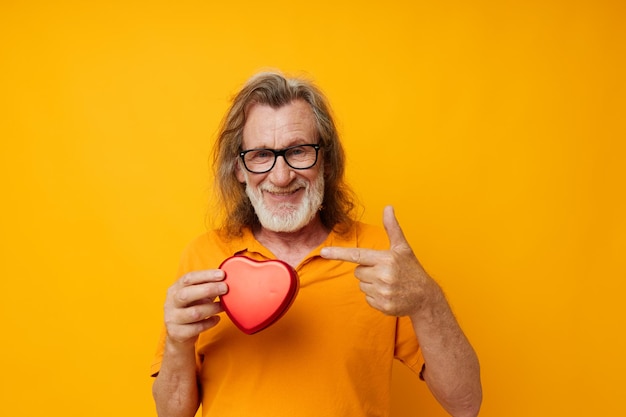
[
  {"x": 158, "y": 356},
  {"x": 407, "y": 348}
]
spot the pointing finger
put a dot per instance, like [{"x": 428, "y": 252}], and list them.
[{"x": 355, "y": 255}]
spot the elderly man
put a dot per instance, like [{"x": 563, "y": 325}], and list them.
[{"x": 279, "y": 169}]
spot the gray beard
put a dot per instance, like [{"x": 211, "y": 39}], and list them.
[{"x": 288, "y": 217}]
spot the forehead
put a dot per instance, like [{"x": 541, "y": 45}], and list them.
[{"x": 268, "y": 127}]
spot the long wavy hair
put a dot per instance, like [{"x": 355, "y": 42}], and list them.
[{"x": 273, "y": 89}]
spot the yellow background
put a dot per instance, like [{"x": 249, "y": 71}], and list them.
[{"x": 495, "y": 128}]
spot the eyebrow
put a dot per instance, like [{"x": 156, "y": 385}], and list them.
[{"x": 296, "y": 142}]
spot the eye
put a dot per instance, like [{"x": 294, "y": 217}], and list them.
[
  {"x": 298, "y": 151},
  {"x": 260, "y": 154}
]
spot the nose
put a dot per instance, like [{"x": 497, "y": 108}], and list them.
[{"x": 281, "y": 174}]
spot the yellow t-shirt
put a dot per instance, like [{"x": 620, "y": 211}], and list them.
[{"x": 330, "y": 355}]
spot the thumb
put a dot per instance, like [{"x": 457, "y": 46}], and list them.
[{"x": 394, "y": 231}]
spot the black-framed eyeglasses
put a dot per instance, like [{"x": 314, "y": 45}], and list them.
[{"x": 262, "y": 160}]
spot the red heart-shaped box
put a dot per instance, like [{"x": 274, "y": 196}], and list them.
[{"x": 259, "y": 292}]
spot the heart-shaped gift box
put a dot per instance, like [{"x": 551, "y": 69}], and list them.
[{"x": 259, "y": 292}]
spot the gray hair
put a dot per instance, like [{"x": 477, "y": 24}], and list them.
[{"x": 275, "y": 90}]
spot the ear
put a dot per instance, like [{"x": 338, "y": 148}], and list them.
[{"x": 241, "y": 176}]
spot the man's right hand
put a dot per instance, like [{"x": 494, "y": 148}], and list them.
[{"x": 190, "y": 306}]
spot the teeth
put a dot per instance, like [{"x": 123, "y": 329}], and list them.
[
  {"x": 282, "y": 191},
  {"x": 288, "y": 192}
]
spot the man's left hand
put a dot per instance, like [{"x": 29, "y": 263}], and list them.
[{"x": 393, "y": 280}]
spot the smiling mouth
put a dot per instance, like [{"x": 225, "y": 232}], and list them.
[{"x": 282, "y": 193}]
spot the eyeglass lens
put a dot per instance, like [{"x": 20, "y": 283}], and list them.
[{"x": 297, "y": 157}]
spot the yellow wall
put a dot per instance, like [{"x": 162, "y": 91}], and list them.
[{"x": 496, "y": 129}]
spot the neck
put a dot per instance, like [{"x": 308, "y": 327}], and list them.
[{"x": 292, "y": 247}]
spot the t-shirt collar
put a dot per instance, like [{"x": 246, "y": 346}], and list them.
[{"x": 248, "y": 243}]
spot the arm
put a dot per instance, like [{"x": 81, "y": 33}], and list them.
[
  {"x": 190, "y": 309},
  {"x": 451, "y": 370},
  {"x": 175, "y": 388},
  {"x": 395, "y": 283}
]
